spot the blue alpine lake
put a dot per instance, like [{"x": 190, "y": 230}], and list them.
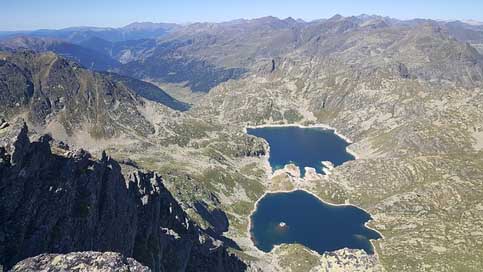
[
  {"x": 299, "y": 217},
  {"x": 304, "y": 147}
]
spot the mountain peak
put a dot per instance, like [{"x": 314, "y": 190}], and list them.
[
  {"x": 336, "y": 17},
  {"x": 136, "y": 26}
]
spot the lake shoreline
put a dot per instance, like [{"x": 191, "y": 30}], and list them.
[
  {"x": 322, "y": 126},
  {"x": 321, "y": 200},
  {"x": 270, "y": 172}
]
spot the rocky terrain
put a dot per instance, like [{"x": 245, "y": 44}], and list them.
[
  {"x": 408, "y": 94},
  {"x": 56, "y": 200},
  {"x": 81, "y": 261}
]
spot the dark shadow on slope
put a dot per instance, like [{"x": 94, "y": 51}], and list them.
[
  {"x": 150, "y": 92},
  {"x": 219, "y": 222}
]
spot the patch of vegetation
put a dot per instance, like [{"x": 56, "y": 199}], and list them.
[
  {"x": 325, "y": 115},
  {"x": 296, "y": 258},
  {"x": 216, "y": 179},
  {"x": 242, "y": 207},
  {"x": 277, "y": 116},
  {"x": 190, "y": 129},
  {"x": 238, "y": 224},
  {"x": 331, "y": 192},
  {"x": 242, "y": 255},
  {"x": 252, "y": 169},
  {"x": 292, "y": 116},
  {"x": 300, "y": 84},
  {"x": 215, "y": 155},
  {"x": 281, "y": 182}
]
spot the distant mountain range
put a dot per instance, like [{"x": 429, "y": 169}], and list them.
[
  {"x": 132, "y": 31},
  {"x": 202, "y": 55}
]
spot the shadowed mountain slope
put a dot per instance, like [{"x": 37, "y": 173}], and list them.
[{"x": 59, "y": 201}]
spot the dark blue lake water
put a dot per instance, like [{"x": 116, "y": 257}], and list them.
[
  {"x": 299, "y": 217},
  {"x": 304, "y": 147}
]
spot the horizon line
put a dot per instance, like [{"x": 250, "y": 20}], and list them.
[{"x": 236, "y": 19}]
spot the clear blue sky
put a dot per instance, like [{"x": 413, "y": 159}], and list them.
[{"x": 35, "y": 14}]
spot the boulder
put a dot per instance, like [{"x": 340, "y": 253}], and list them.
[{"x": 82, "y": 262}]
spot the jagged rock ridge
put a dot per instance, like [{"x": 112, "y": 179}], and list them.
[{"x": 57, "y": 203}]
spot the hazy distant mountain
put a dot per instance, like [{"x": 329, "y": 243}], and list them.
[
  {"x": 78, "y": 34},
  {"x": 471, "y": 33},
  {"x": 122, "y": 51},
  {"x": 86, "y": 57},
  {"x": 149, "y": 26},
  {"x": 472, "y": 22}
]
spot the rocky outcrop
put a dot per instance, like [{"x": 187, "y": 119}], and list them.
[
  {"x": 57, "y": 203},
  {"x": 3, "y": 124},
  {"x": 82, "y": 262}
]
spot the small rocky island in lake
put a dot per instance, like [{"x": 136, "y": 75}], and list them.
[{"x": 300, "y": 217}]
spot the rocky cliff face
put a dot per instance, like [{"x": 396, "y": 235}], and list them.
[{"x": 58, "y": 201}]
